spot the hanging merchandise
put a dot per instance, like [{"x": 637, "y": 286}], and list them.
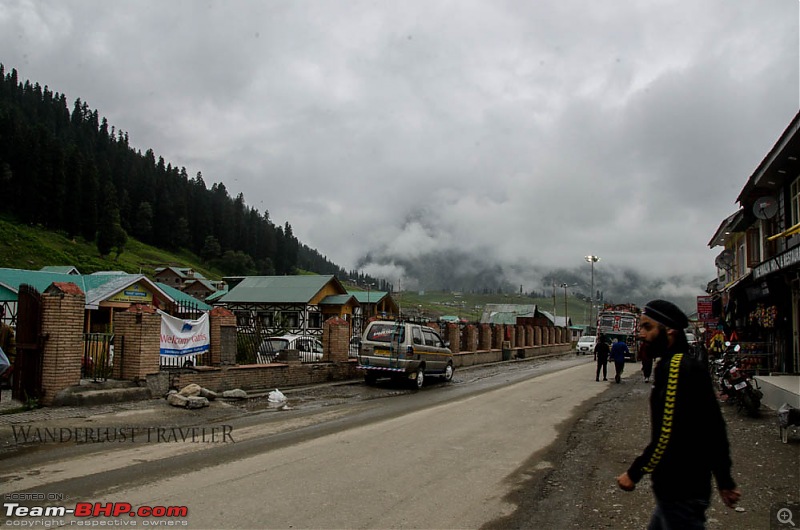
[{"x": 764, "y": 316}]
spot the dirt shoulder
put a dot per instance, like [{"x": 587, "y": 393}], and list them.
[{"x": 574, "y": 484}]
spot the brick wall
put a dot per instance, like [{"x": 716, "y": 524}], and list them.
[
  {"x": 267, "y": 377},
  {"x": 140, "y": 327},
  {"x": 62, "y": 324},
  {"x": 336, "y": 339},
  {"x": 218, "y": 318}
]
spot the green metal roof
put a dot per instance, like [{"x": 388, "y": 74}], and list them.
[
  {"x": 97, "y": 287},
  {"x": 66, "y": 269},
  {"x": 277, "y": 289},
  {"x": 368, "y": 297},
  {"x": 181, "y": 297},
  {"x": 337, "y": 299},
  {"x": 215, "y": 296}
]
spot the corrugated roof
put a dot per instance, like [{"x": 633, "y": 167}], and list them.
[
  {"x": 368, "y": 297},
  {"x": 65, "y": 269},
  {"x": 97, "y": 287},
  {"x": 276, "y": 289},
  {"x": 216, "y": 296},
  {"x": 337, "y": 299},
  {"x": 181, "y": 297},
  {"x": 506, "y": 313}
]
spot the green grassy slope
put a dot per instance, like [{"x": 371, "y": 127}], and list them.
[{"x": 32, "y": 247}]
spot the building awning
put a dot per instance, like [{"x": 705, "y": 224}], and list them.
[
  {"x": 729, "y": 286},
  {"x": 792, "y": 230}
]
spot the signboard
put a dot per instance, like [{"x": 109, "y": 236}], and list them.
[
  {"x": 705, "y": 310},
  {"x": 133, "y": 294},
  {"x": 180, "y": 338},
  {"x": 787, "y": 259}
]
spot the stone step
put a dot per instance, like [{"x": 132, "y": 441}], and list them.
[{"x": 78, "y": 396}]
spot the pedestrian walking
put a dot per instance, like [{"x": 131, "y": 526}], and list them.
[
  {"x": 601, "y": 351},
  {"x": 619, "y": 352},
  {"x": 647, "y": 361},
  {"x": 689, "y": 442}
]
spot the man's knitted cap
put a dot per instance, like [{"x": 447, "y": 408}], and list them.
[{"x": 666, "y": 313}]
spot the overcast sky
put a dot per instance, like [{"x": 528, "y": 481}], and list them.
[{"x": 527, "y": 134}]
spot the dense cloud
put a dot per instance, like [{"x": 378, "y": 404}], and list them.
[{"x": 432, "y": 141}]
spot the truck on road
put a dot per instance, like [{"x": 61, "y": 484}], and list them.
[{"x": 621, "y": 322}]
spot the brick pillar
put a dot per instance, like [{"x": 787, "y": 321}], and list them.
[
  {"x": 498, "y": 336},
  {"x": 528, "y": 336},
  {"x": 558, "y": 335},
  {"x": 140, "y": 327},
  {"x": 512, "y": 334},
  {"x": 336, "y": 339},
  {"x": 485, "y": 337},
  {"x": 471, "y": 343},
  {"x": 217, "y": 318},
  {"x": 552, "y": 339},
  {"x": 545, "y": 335},
  {"x": 520, "y": 333},
  {"x": 454, "y": 336},
  {"x": 537, "y": 336},
  {"x": 63, "y": 308}
]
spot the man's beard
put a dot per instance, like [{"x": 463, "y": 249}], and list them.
[{"x": 658, "y": 346}]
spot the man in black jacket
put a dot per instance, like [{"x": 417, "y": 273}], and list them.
[
  {"x": 688, "y": 442},
  {"x": 601, "y": 351}
]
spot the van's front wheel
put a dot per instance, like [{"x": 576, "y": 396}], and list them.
[{"x": 448, "y": 373}]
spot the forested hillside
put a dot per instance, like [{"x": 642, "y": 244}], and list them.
[{"x": 73, "y": 172}]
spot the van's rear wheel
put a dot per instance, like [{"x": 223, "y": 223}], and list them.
[
  {"x": 370, "y": 378},
  {"x": 419, "y": 380}
]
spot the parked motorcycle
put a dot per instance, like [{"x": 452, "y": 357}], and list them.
[{"x": 735, "y": 383}]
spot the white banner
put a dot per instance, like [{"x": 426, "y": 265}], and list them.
[{"x": 184, "y": 337}]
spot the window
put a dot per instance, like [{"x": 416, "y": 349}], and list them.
[
  {"x": 242, "y": 318},
  {"x": 290, "y": 319},
  {"x": 416, "y": 334},
  {"x": 740, "y": 260},
  {"x": 267, "y": 318},
  {"x": 753, "y": 247},
  {"x": 432, "y": 339},
  {"x": 314, "y": 320},
  {"x": 794, "y": 192},
  {"x": 386, "y": 333}
]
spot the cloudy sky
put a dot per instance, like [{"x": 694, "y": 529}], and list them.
[{"x": 513, "y": 134}]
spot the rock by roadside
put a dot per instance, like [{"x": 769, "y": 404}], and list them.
[{"x": 574, "y": 484}]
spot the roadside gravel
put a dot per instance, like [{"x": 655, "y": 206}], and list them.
[{"x": 574, "y": 484}]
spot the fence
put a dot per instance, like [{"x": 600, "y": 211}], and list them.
[{"x": 98, "y": 356}]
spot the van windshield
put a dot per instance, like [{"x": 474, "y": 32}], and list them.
[{"x": 386, "y": 333}]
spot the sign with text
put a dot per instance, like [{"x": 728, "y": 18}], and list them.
[
  {"x": 133, "y": 294},
  {"x": 184, "y": 337},
  {"x": 705, "y": 309}
]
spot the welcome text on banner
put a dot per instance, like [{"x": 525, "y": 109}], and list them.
[{"x": 184, "y": 337}]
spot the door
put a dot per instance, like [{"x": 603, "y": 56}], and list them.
[{"x": 27, "y": 376}]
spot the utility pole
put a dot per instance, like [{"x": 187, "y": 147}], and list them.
[{"x": 592, "y": 260}]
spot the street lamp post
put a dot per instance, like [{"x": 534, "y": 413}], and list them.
[
  {"x": 592, "y": 260},
  {"x": 566, "y": 310},
  {"x": 566, "y": 313}
]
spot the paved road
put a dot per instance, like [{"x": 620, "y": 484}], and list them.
[{"x": 442, "y": 458}]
